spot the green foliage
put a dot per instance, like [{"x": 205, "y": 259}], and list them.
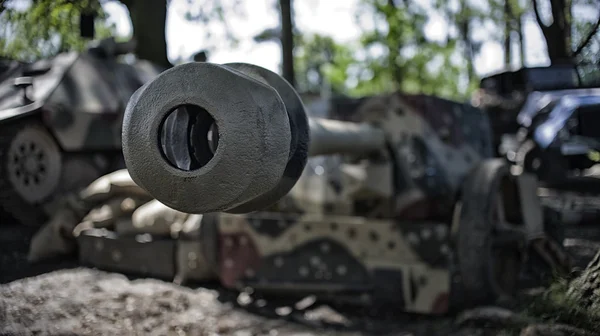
[
  {"x": 590, "y": 53},
  {"x": 45, "y": 28},
  {"x": 408, "y": 60},
  {"x": 321, "y": 64},
  {"x": 319, "y": 61},
  {"x": 395, "y": 55},
  {"x": 400, "y": 56},
  {"x": 556, "y": 305}
]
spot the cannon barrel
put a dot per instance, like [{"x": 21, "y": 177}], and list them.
[
  {"x": 332, "y": 136},
  {"x": 204, "y": 137}
]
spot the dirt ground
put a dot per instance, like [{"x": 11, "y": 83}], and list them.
[{"x": 60, "y": 298}]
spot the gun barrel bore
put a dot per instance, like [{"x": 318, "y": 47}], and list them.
[{"x": 189, "y": 137}]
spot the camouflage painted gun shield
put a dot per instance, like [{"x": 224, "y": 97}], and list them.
[{"x": 247, "y": 161}]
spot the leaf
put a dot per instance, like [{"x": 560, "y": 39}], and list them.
[{"x": 56, "y": 29}]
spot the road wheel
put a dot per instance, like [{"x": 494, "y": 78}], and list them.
[
  {"x": 30, "y": 171},
  {"x": 489, "y": 237}
]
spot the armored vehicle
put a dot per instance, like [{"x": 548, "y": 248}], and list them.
[
  {"x": 60, "y": 123},
  {"x": 402, "y": 203}
]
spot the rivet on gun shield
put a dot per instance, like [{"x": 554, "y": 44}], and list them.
[
  {"x": 116, "y": 255},
  {"x": 441, "y": 231},
  {"x": 412, "y": 238},
  {"x": 445, "y": 249}
]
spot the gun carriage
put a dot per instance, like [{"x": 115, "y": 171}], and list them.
[{"x": 415, "y": 211}]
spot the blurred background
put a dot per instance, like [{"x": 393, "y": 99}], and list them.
[
  {"x": 350, "y": 47},
  {"x": 61, "y": 126}
]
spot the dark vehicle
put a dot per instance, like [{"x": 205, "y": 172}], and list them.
[
  {"x": 60, "y": 123},
  {"x": 542, "y": 115},
  {"x": 504, "y": 94},
  {"x": 559, "y": 135}
]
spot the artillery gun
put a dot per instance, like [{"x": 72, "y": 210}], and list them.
[
  {"x": 416, "y": 212},
  {"x": 60, "y": 123}
]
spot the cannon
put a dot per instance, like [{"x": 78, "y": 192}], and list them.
[{"x": 413, "y": 211}]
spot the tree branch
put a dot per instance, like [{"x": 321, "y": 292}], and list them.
[
  {"x": 538, "y": 17},
  {"x": 558, "y": 9},
  {"x": 587, "y": 40}
]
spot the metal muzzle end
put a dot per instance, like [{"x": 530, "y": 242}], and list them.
[{"x": 203, "y": 137}]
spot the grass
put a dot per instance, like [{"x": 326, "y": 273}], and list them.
[{"x": 558, "y": 304}]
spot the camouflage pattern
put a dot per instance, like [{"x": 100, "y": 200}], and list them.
[
  {"x": 340, "y": 257},
  {"x": 345, "y": 229},
  {"x": 81, "y": 96},
  {"x": 115, "y": 225},
  {"x": 69, "y": 111},
  {"x": 436, "y": 143},
  {"x": 331, "y": 186},
  {"x": 345, "y": 258}
]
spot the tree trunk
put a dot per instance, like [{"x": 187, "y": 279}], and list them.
[
  {"x": 394, "y": 51},
  {"x": 149, "y": 20},
  {"x": 287, "y": 41},
  {"x": 558, "y": 33},
  {"x": 464, "y": 31},
  {"x": 585, "y": 288},
  {"x": 508, "y": 17},
  {"x": 558, "y": 46},
  {"x": 470, "y": 53},
  {"x": 521, "y": 41}
]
